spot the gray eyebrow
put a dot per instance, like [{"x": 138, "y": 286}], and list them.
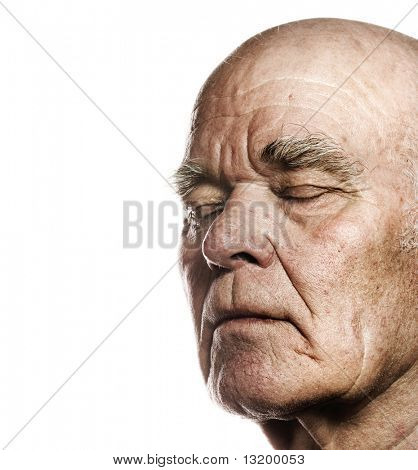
[
  {"x": 316, "y": 151},
  {"x": 189, "y": 175}
]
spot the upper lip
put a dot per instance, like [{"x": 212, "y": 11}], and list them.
[{"x": 227, "y": 315}]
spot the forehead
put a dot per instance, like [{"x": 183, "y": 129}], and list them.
[{"x": 229, "y": 132}]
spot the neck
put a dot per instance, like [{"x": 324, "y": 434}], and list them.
[{"x": 389, "y": 421}]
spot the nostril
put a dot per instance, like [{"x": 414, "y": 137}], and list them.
[{"x": 245, "y": 257}]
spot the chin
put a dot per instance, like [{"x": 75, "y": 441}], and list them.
[
  {"x": 257, "y": 392},
  {"x": 246, "y": 379}
]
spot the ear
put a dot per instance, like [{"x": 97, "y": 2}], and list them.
[{"x": 288, "y": 435}]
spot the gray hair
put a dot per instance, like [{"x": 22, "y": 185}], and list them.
[{"x": 316, "y": 151}]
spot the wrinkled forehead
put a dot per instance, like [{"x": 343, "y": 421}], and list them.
[{"x": 243, "y": 123}]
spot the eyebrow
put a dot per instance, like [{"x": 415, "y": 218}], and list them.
[
  {"x": 188, "y": 176},
  {"x": 289, "y": 153}
]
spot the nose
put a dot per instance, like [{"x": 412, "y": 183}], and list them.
[{"x": 234, "y": 240}]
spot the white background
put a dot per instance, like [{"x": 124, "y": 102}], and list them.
[{"x": 65, "y": 278}]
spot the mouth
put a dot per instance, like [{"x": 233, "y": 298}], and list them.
[{"x": 244, "y": 317}]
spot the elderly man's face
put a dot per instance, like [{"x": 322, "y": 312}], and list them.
[{"x": 299, "y": 287}]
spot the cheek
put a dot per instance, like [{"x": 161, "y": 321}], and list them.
[
  {"x": 342, "y": 234},
  {"x": 330, "y": 270},
  {"x": 325, "y": 259}
]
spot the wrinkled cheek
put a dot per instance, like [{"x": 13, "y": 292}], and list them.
[
  {"x": 346, "y": 235},
  {"x": 330, "y": 269},
  {"x": 321, "y": 253}
]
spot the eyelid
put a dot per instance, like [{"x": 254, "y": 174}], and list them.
[
  {"x": 196, "y": 217},
  {"x": 195, "y": 205},
  {"x": 314, "y": 196},
  {"x": 316, "y": 191},
  {"x": 211, "y": 208},
  {"x": 303, "y": 200},
  {"x": 198, "y": 211},
  {"x": 209, "y": 204}
]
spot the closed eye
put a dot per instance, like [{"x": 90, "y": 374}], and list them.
[
  {"x": 302, "y": 200},
  {"x": 197, "y": 215},
  {"x": 206, "y": 210},
  {"x": 302, "y": 194}
]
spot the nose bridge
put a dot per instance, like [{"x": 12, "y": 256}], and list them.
[{"x": 238, "y": 235}]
